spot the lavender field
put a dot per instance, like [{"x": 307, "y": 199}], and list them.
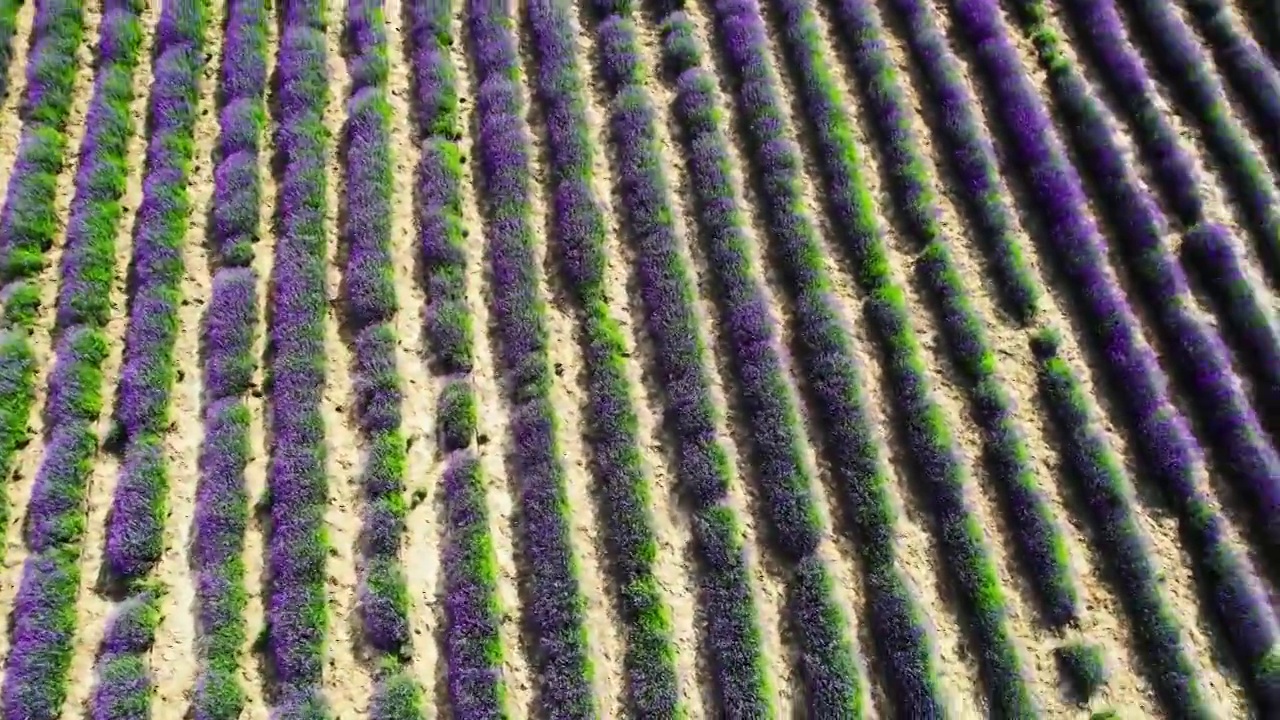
[{"x": 408, "y": 359}]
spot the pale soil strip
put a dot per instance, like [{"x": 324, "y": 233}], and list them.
[
  {"x": 27, "y": 459},
  {"x": 493, "y": 415},
  {"x": 172, "y": 657},
  {"x": 1158, "y": 522},
  {"x": 568, "y": 400},
  {"x": 1101, "y": 614},
  {"x": 423, "y": 532},
  {"x": 672, "y": 531},
  {"x": 10, "y": 123},
  {"x": 255, "y": 473},
  {"x": 766, "y": 589},
  {"x": 93, "y": 608},
  {"x": 347, "y": 673},
  {"x": 835, "y": 550}
]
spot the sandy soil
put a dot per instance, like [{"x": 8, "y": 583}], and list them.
[{"x": 351, "y": 668}]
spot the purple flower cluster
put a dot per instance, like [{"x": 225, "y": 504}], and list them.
[
  {"x": 560, "y": 657},
  {"x": 938, "y": 460},
  {"x": 297, "y": 481},
  {"x": 28, "y": 221},
  {"x": 369, "y": 294},
  {"x": 829, "y": 661},
  {"x": 122, "y": 690},
  {"x": 1208, "y": 255},
  {"x": 228, "y": 333},
  {"x": 473, "y": 648},
  {"x": 44, "y": 618},
  {"x": 135, "y": 523},
  {"x": 1038, "y": 537},
  {"x": 1250, "y": 72},
  {"x": 1101, "y": 478},
  {"x": 8, "y": 27},
  {"x": 1162, "y": 438},
  {"x": 1196, "y": 350},
  {"x": 578, "y": 232},
  {"x": 1104, "y": 36},
  {"x": 1179, "y": 56}
]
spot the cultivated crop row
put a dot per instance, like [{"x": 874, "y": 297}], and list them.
[
  {"x": 560, "y": 657},
  {"x": 1036, "y": 530},
  {"x": 1226, "y": 414},
  {"x": 43, "y": 618},
  {"x": 29, "y": 222},
  {"x": 139, "y": 507},
  {"x": 830, "y": 673},
  {"x": 932, "y": 446},
  {"x": 1181, "y": 59},
  {"x": 577, "y": 237},
  {"x": 370, "y": 298},
  {"x": 229, "y": 329},
  {"x": 473, "y": 654},
  {"x": 297, "y": 480},
  {"x": 1164, "y": 443}
]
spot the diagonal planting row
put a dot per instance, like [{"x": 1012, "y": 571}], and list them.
[
  {"x": 560, "y": 657},
  {"x": 1181, "y": 59},
  {"x": 229, "y": 330},
  {"x": 829, "y": 663},
  {"x": 135, "y": 522},
  {"x": 473, "y": 654},
  {"x": 370, "y": 299},
  {"x": 1035, "y": 528},
  {"x": 1164, "y": 443},
  {"x": 934, "y": 450},
  {"x": 577, "y": 237},
  {"x": 44, "y": 618},
  {"x": 1098, "y": 472},
  {"x": 297, "y": 479},
  {"x": 28, "y": 220},
  {"x": 1196, "y": 350},
  {"x": 857, "y": 457},
  {"x": 1208, "y": 250}
]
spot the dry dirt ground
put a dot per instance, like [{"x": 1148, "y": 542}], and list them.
[{"x": 348, "y": 677}]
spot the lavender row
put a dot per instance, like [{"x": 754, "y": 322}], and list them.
[
  {"x": 1196, "y": 350},
  {"x": 829, "y": 662},
  {"x": 1164, "y": 443},
  {"x": 8, "y": 28},
  {"x": 1100, "y": 478},
  {"x": 1038, "y": 536},
  {"x": 578, "y": 235},
  {"x": 28, "y": 221},
  {"x": 1174, "y": 174},
  {"x": 135, "y": 522},
  {"x": 1247, "y": 68},
  {"x": 297, "y": 480},
  {"x": 370, "y": 298},
  {"x": 560, "y": 656},
  {"x": 44, "y": 626},
  {"x": 1178, "y": 55},
  {"x": 938, "y": 459},
  {"x": 1247, "y": 323},
  {"x": 228, "y": 333},
  {"x": 972, "y": 158},
  {"x": 122, "y": 687},
  {"x": 703, "y": 471},
  {"x": 473, "y": 646},
  {"x": 856, "y": 456}
]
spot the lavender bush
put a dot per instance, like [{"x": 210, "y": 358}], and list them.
[
  {"x": 560, "y": 657},
  {"x": 473, "y": 649},
  {"x": 1099, "y": 476},
  {"x": 43, "y": 617},
  {"x": 1163, "y": 440}
]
